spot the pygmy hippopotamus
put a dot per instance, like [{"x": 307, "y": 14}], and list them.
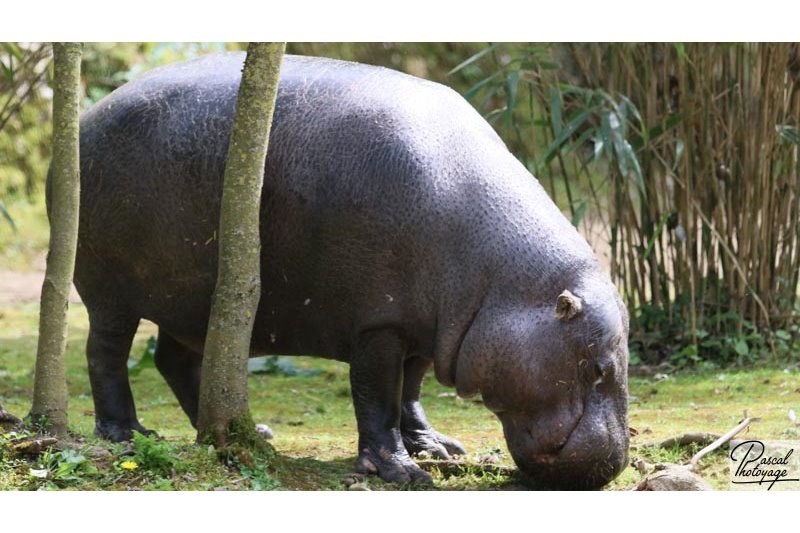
[{"x": 398, "y": 233}]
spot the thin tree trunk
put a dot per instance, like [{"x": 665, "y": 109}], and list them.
[
  {"x": 49, "y": 409},
  {"x": 224, "y": 416}
]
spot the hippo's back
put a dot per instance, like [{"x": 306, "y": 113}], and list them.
[{"x": 356, "y": 163}]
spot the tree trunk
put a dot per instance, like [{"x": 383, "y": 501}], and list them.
[
  {"x": 49, "y": 409},
  {"x": 224, "y": 416}
]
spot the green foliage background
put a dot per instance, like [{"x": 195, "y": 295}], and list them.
[{"x": 595, "y": 122}]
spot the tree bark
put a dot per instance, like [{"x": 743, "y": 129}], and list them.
[
  {"x": 224, "y": 416},
  {"x": 49, "y": 409}
]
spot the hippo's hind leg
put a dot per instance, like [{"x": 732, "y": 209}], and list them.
[
  {"x": 111, "y": 333},
  {"x": 180, "y": 366},
  {"x": 418, "y": 435},
  {"x": 376, "y": 377}
]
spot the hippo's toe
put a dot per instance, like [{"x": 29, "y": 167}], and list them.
[
  {"x": 391, "y": 467},
  {"x": 119, "y": 432},
  {"x": 432, "y": 442}
]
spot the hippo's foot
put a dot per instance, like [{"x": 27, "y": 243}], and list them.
[
  {"x": 118, "y": 431},
  {"x": 431, "y": 442},
  {"x": 391, "y": 463}
]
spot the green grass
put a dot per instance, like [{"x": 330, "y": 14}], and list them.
[{"x": 312, "y": 417}]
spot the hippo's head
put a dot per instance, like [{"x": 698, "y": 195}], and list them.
[{"x": 556, "y": 375}]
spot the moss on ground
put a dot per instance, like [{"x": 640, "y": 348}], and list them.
[{"x": 315, "y": 430}]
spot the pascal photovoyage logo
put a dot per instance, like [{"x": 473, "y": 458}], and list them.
[{"x": 765, "y": 465}]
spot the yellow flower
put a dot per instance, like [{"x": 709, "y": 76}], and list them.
[{"x": 129, "y": 465}]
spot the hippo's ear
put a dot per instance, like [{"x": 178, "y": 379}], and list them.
[{"x": 568, "y": 305}]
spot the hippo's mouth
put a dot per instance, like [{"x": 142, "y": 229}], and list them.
[
  {"x": 552, "y": 453},
  {"x": 589, "y": 454}
]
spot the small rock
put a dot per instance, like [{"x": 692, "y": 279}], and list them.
[
  {"x": 352, "y": 479},
  {"x": 98, "y": 453},
  {"x": 265, "y": 431},
  {"x": 128, "y": 451},
  {"x": 423, "y": 454},
  {"x": 489, "y": 459},
  {"x": 358, "y": 486},
  {"x": 672, "y": 477},
  {"x": 642, "y": 466}
]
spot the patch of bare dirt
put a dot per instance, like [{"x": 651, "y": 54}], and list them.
[{"x": 18, "y": 287}]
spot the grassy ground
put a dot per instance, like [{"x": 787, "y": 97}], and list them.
[{"x": 312, "y": 417}]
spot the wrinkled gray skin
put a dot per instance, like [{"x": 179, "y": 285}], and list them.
[{"x": 398, "y": 233}]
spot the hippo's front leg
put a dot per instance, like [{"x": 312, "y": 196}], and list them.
[
  {"x": 376, "y": 379},
  {"x": 418, "y": 435}
]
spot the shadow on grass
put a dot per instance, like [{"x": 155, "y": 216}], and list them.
[{"x": 308, "y": 473}]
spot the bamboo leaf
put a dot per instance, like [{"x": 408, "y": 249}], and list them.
[
  {"x": 489, "y": 95},
  {"x": 8, "y": 70},
  {"x": 655, "y": 236},
  {"x": 679, "y": 149},
  {"x": 493, "y": 115},
  {"x": 656, "y": 131},
  {"x": 579, "y": 213},
  {"x": 548, "y": 65},
  {"x": 555, "y": 111},
  {"x": 622, "y": 158},
  {"x": 512, "y": 82},
  {"x": 634, "y": 163},
  {"x": 13, "y": 50},
  {"x": 598, "y": 147},
  {"x": 605, "y": 131},
  {"x": 576, "y": 123},
  {"x": 580, "y": 141},
  {"x": 473, "y": 58},
  {"x": 627, "y": 105},
  {"x": 681, "y": 49},
  {"x": 480, "y": 85},
  {"x": 7, "y": 216},
  {"x": 789, "y": 133}
]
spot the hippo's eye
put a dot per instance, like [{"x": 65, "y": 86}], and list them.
[{"x": 598, "y": 373}]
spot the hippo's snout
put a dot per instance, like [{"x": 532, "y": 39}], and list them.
[{"x": 589, "y": 456}]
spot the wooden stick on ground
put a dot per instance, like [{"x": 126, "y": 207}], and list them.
[{"x": 722, "y": 440}]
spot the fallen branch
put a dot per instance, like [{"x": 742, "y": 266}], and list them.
[
  {"x": 32, "y": 447},
  {"x": 722, "y": 440},
  {"x": 702, "y": 439},
  {"x": 670, "y": 476}
]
